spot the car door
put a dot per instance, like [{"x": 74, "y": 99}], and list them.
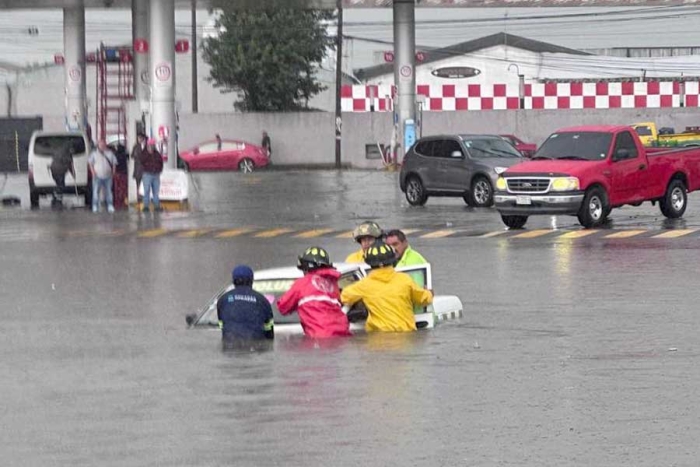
[
  {"x": 206, "y": 158},
  {"x": 425, "y": 163},
  {"x": 627, "y": 170},
  {"x": 455, "y": 171}
]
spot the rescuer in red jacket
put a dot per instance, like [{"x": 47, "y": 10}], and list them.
[{"x": 316, "y": 297}]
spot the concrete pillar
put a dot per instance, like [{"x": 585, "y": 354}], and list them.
[
  {"x": 404, "y": 64},
  {"x": 74, "y": 67},
  {"x": 140, "y": 36},
  {"x": 162, "y": 65}
]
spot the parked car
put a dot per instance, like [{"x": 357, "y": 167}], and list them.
[
  {"x": 273, "y": 283},
  {"x": 456, "y": 165},
  {"x": 589, "y": 170},
  {"x": 233, "y": 155},
  {"x": 526, "y": 149},
  {"x": 43, "y": 146}
]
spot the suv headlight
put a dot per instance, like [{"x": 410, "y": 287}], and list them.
[
  {"x": 565, "y": 184},
  {"x": 501, "y": 184}
]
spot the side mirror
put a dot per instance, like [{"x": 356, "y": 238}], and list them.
[
  {"x": 190, "y": 319},
  {"x": 456, "y": 154},
  {"x": 621, "y": 154}
]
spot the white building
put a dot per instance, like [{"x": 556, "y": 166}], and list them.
[{"x": 501, "y": 57}]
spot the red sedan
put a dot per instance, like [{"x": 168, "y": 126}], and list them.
[
  {"x": 230, "y": 155},
  {"x": 526, "y": 149}
]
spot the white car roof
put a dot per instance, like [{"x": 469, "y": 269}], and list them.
[
  {"x": 58, "y": 133},
  {"x": 292, "y": 272}
]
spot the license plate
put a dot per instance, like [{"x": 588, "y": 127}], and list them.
[{"x": 523, "y": 200}]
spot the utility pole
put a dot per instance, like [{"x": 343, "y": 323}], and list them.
[
  {"x": 338, "y": 85},
  {"x": 195, "y": 90}
]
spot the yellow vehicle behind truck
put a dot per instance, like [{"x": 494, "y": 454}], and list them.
[{"x": 666, "y": 137}]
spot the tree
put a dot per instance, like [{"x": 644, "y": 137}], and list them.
[{"x": 268, "y": 56}]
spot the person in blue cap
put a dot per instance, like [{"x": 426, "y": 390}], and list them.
[{"x": 244, "y": 314}]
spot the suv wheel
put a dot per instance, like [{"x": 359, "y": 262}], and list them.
[
  {"x": 481, "y": 193},
  {"x": 415, "y": 192},
  {"x": 675, "y": 200},
  {"x": 592, "y": 211}
]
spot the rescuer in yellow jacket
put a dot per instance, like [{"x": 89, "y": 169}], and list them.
[
  {"x": 365, "y": 234},
  {"x": 388, "y": 295}
]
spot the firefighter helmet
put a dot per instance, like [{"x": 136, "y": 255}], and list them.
[
  {"x": 314, "y": 258},
  {"x": 367, "y": 229},
  {"x": 380, "y": 254}
]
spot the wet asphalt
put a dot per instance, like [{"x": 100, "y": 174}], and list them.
[{"x": 571, "y": 352}]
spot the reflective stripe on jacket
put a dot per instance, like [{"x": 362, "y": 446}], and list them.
[
  {"x": 317, "y": 300},
  {"x": 389, "y": 297}
]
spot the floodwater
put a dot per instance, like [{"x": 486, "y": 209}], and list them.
[{"x": 570, "y": 353}]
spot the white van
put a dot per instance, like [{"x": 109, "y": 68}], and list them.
[{"x": 42, "y": 147}]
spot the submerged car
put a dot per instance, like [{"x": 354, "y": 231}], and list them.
[
  {"x": 229, "y": 155},
  {"x": 273, "y": 283}
]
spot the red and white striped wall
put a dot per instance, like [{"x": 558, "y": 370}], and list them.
[{"x": 576, "y": 95}]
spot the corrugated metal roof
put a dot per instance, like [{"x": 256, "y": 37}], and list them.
[{"x": 467, "y": 47}]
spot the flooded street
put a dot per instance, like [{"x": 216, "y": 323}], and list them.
[{"x": 571, "y": 351}]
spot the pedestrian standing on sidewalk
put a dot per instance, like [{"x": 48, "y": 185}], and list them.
[
  {"x": 102, "y": 163},
  {"x": 136, "y": 153},
  {"x": 152, "y": 163},
  {"x": 267, "y": 145},
  {"x": 121, "y": 178}
]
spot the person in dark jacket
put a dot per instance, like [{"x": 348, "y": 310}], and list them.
[
  {"x": 267, "y": 145},
  {"x": 244, "y": 314},
  {"x": 62, "y": 162},
  {"x": 121, "y": 177},
  {"x": 152, "y": 163},
  {"x": 136, "y": 153}
]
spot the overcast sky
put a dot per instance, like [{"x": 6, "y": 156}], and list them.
[{"x": 589, "y": 28}]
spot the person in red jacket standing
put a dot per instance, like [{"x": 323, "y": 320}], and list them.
[{"x": 316, "y": 297}]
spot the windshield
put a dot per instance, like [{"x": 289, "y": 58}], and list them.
[
  {"x": 51, "y": 145},
  {"x": 589, "y": 146},
  {"x": 643, "y": 130},
  {"x": 490, "y": 147}
]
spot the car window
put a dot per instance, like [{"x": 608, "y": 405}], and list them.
[
  {"x": 348, "y": 278},
  {"x": 425, "y": 148},
  {"x": 490, "y": 147},
  {"x": 233, "y": 146},
  {"x": 208, "y": 148},
  {"x": 625, "y": 141},
  {"x": 50, "y": 145},
  {"x": 449, "y": 146},
  {"x": 643, "y": 130},
  {"x": 583, "y": 145}
]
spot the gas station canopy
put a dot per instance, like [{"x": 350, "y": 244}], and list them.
[{"x": 331, "y": 4}]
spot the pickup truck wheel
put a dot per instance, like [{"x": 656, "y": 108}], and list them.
[
  {"x": 675, "y": 200},
  {"x": 514, "y": 222},
  {"x": 481, "y": 193},
  {"x": 593, "y": 209},
  {"x": 415, "y": 192}
]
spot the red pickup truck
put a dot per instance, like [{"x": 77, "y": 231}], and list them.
[{"x": 587, "y": 171}]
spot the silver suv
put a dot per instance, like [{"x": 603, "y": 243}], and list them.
[{"x": 456, "y": 165}]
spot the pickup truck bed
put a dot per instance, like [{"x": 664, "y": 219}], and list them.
[{"x": 588, "y": 171}]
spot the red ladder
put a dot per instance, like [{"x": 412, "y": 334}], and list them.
[{"x": 115, "y": 86}]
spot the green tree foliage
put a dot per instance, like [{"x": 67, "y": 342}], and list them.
[{"x": 268, "y": 56}]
